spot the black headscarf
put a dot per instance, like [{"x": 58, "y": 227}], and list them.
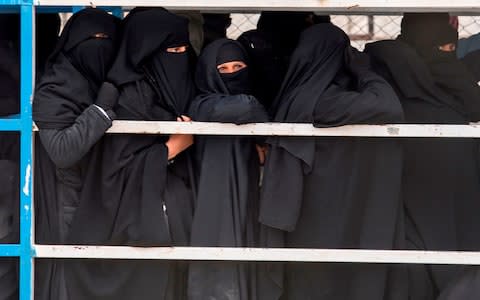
[
  {"x": 208, "y": 78},
  {"x": 145, "y": 56},
  {"x": 76, "y": 68},
  {"x": 425, "y": 32}
]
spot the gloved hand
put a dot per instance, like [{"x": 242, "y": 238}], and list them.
[
  {"x": 107, "y": 97},
  {"x": 356, "y": 62}
]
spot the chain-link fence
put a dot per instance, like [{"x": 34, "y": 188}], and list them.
[{"x": 361, "y": 29}]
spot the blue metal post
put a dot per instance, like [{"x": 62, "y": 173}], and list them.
[{"x": 27, "y": 74}]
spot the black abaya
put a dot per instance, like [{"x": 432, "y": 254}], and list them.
[
  {"x": 334, "y": 192},
  {"x": 132, "y": 195},
  {"x": 228, "y": 176},
  {"x": 440, "y": 188}
]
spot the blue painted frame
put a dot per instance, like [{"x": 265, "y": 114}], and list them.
[
  {"x": 23, "y": 124},
  {"x": 27, "y": 74}
]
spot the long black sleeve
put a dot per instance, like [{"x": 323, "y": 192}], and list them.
[
  {"x": 67, "y": 146},
  {"x": 238, "y": 109},
  {"x": 373, "y": 102}
]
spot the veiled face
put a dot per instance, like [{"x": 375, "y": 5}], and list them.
[{"x": 231, "y": 67}]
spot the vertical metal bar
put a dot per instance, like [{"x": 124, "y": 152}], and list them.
[
  {"x": 371, "y": 27},
  {"x": 27, "y": 73}
]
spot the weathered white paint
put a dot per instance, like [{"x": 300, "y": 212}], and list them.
[
  {"x": 26, "y": 186},
  {"x": 347, "y": 6},
  {"x": 260, "y": 254}
]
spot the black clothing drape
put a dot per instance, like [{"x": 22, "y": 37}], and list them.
[
  {"x": 132, "y": 196},
  {"x": 440, "y": 189},
  {"x": 334, "y": 192},
  {"x": 226, "y": 206}
]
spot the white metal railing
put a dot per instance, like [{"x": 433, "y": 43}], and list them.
[
  {"x": 261, "y": 254},
  {"x": 347, "y": 6},
  {"x": 295, "y": 129}
]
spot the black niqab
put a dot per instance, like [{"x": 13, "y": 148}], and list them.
[
  {"x": 425, "y": 32},
  {"x": 228, "y": 179},
  {"x": 237, "y": 82},
  {"x": 333, "y": 192},
  {"x": 75, "y": 69},
  {"x": 145, "y": 56}
]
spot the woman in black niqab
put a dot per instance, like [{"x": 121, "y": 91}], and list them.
[
  {"x": 137, "y": 192},
  {"x": 440, "y": 178},
  {"x": 226, "y": 206},
  {"x": 72, "y": 109},
  {"x": 334, "y": 192}
]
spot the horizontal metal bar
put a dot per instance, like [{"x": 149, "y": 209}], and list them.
[
  {"x": 292, "y": 129},
  {"x": 4, "y": 3},
  {"x": 306, "y": 5},
  {"x": 260, "y": 254},
  {"x": 10, "y": 250},
  {"x": 10, "y": 124}
]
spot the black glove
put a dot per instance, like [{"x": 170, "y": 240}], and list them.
[
  {"x": 107, "y": 97},
  {"x": 356, "y": 62}
]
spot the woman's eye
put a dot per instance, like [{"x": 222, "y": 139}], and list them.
[{"x": 180, "y": 49}]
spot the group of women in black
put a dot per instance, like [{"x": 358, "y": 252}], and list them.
[{"x": 159, "y": 190}]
